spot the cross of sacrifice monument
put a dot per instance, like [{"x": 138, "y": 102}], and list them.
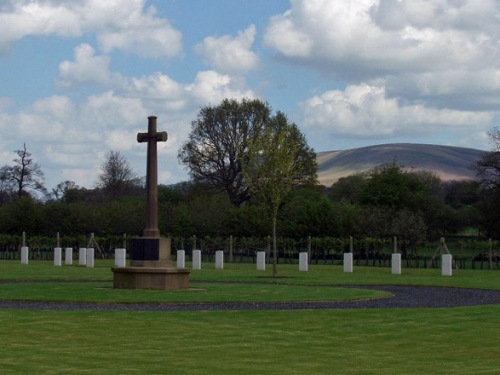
[
  {"x": 152, "y": 137},
  {"x": 150, "y": 264}
]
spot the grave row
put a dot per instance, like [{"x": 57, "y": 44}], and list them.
[{"x": 86, "y": 258}]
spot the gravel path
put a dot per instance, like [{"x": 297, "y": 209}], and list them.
[{"x": 403, "y": 297}]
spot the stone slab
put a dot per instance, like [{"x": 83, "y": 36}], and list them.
[
  {"x": 120, "y": 257},
  {"x": 82, "y": 256},
  {"x": 150, "y": 252},
  {"x": 68, "y": 256},
  {"x": 396, "y": 264},
  {"x": 57, "y": 256},
  {"x": 446, "y": 265},
  {"x": 348, "y": 262},
  {"x": 196, "y": 259},
  {"x": 25, "y": 255},
  {"x": 89, "y": 257},
  {"x": 181, "y": 259},
  {"x": 219, "y": 260},
  {"x": 261, "y": 260},
  {"x": 303, "y": 262},
  {"x": 151, "y": 278}
]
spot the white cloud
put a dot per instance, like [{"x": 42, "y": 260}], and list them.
[
  {"x": 119, "y": 24},
  {"x": 387, "y": 35},
  {"x": 365, "y": 111},
  {"x": 107, "y": 110},
  {"x": 86, "y": 69},
  {"x": 230, "y": 54},
  {"x": 212, "y": 87}
]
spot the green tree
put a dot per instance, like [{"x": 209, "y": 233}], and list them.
[
  {"x": 278, "y": 159},
  {"x": 218, "y": 143},
  {"x": 348, "y": 189}
]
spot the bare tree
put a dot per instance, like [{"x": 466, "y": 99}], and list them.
[
  {"x": 117, "y": 176},
  {"x": 26, "y": 174}
]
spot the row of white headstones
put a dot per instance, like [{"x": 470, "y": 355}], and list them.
[
  {"x": 86, "y": 258},
  {"x": 348, "y": 264}
]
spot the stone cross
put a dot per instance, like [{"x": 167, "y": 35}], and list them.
[{"x": 152, "y": 137}]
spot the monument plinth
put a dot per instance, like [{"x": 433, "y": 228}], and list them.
[{"x": 150, "y": 263}]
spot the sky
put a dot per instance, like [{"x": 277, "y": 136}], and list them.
[{"x": 78, "y": 78}]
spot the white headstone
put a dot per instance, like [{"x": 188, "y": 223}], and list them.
[
  {"x": 196, "y": 259},
  {"x": 219, "y": 260},
  {"x": 25, "y": 254},
  {"x": 261, "y": 260},
  {"x": 90, "y": 257},
  {"x": 120, "y": 258},
  {"x": 396, "y": 264},
  {"x": 68, "y": 256},
  {"x": 446, "y": 263},
  {"x": 303, "y": 262},
  {"x": 82, "y": 256},
  {"x": 348, "y": 262},
  {"x": 57, "y": 256},
  {"x": 181, "y": 259}
]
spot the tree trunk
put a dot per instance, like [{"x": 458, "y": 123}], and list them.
[{"x": 275, "y": 252}]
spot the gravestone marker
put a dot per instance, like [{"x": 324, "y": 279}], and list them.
[
  {"x": 196, "y": 259},
  {"x": 348, "y": 262},
  {"x": 57, "y": 256},
  {"x": 181, "y": 259},
  {"x": 89, "y": 262},
  {"x": 68, "y": 256},
  {"x": 219, "y": 260},
  {"x": 82, "y": 256},
  {"x": 303, "y": 262},
  {"x": 261, "y": 260},
  {"x": 120, "y": 257},
  {"x": 395, "y": 259},
  {"x": 24, "y": 251},
  {"x": 446, "y": 264}
]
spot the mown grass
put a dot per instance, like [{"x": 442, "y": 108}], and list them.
[{"x": 374, "y": 341}]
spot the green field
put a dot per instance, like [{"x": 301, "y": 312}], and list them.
[{"x": 375, "y": 341}]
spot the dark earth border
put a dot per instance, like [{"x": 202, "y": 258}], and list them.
[{"x": 401, "y": 297}]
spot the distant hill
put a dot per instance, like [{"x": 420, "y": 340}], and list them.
[{"x": 448, "y": 162}]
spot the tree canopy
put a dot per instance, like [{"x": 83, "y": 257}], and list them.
[
  {"x": 277, "y": 159},
  {"x": 218, "y": 145}
]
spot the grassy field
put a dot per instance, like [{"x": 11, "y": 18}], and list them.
[{"x": 376, "y": 341}]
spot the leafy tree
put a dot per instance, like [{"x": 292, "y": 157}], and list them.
[
  {"x": 278, "y": 159},
  {"x": 386, "y": 186},
  {"x": 117, "y": 177},
  {"x": 63, "y": 188},
  {"x": 348, "y": 189},
  {"x": 220, "y": 136},
  {"x": 306, "y": 212}
]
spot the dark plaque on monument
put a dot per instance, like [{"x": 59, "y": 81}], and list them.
[{"x": 150, "y": 264}]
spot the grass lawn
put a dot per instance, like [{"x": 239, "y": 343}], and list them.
[{"x": 375, "y": 341}]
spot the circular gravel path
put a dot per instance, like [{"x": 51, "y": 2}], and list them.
[{"x": 402, "y": 297}]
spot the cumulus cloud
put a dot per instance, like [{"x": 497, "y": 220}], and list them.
[
  {"x": 373, "y": 37},
  {"x": 398, "y": 67},
  {"x": 230, "y": 54},
  {"x": 120, "y": 24},
  {"x": 212, "y": 87},
  {"x": 365, "y": 111},
  {"x": 86, "y": 69}
]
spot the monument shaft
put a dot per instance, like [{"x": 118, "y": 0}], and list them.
[{"x": 152, "y": 137}]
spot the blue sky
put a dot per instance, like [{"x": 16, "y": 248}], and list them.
[{"x": 79, "y": 78}]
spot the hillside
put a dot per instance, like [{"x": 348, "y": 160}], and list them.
[{"x": 448, "y": 162}]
